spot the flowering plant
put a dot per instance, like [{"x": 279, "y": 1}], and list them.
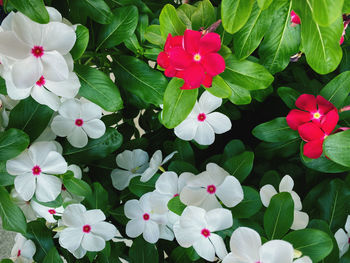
[{"x": 175, "y": 131}]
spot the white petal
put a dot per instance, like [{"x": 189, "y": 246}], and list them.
[
  {"x": 70, "y": 62},
  {"x": 54, "y": 14},
  {"x": 68, "y": 88},
  {"x": 20, "y": 165},
  {"x": 62, "y": 126},
  {"x": 78, "y": 137},
  {"x": 205, "y": 134},
  {"x": 130, "y": 160},
  {"x": 91, "y": 242},
  {"x": 11, "y": 46},
  {"x": 28, "y": 250},
  {"x": 186, "y": 130},
  {"x": 347, "y": 224},
  {"x": 219, "y": 219},
  {"x": 276, "y": 251},
  {"x": 342, "y": 240},
  {"x": 286, "y": 184},
  {"x": 231, "y": 258},
  {"x": 186, "y": 236},
  {"x": 45, "y": 97},
  {"x": 6, "y": 24},
  {"x": 219, "y": 122},
  {"x": 70, "y": 238},
  {"x": 167, "y": 183},
  {"x": 210, "y": 202},
  {"x": 183, "y": 179},
  {"x": 135, "y": 227},
  {"x": 148, "y": 174},
  {"x": 80, "y": 252},
  {"x": 64, "y": 43},
  {"x": 27, "y": 30},
  {"x": 25, "y": 73},
  {"x": 216, "y": 173},
  {"x": 54, "y": 164},
  {"x": 39, "y": 151},
  {"x": 94, "y": 128},
  {"x": 73, "y": 214},
  {"x": 193, "y": 217},
  {"x": 266, "y": 193},
  {"x": 205, "y": 249},
  {"x": 168, "y": 157},
  {"x": 48, "y": 187},
  {"x": 70, "y": 109},
  {"x": 76, "y": 170},
  {"x": 208, "y": 102},
  {"x": 192, "y": 196},
  {"x": 121, "y": 178},
  {"x": 25, "y": 185},
  {"x": 105, "y": 230},
  {"x": 245, "y": 243},
  {"x": 43, "y": 211},
  {"x": 54, "y": 66},
  {"x": 17, "y": 93},
  {"x": 151, "y": 232},
  {"x": 156, "y": 159},
  {"x": 219, "y": 245},
  {"x": 230, "y": 192},
  {"x": 301, "y": 220},
  {"x": 297, "y": 201},
  {"x": 166, "y": 233},
  {"x": 94, "y": 216},
  {"x": 304, "y": 259},
  {"x": 90, "y": 111},
  {"x": 132, "y": 209}
]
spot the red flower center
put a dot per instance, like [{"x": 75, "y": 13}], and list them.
[
  {"x": 201, "y": 117},
  {"x": 211, "y": 189},
  {"x": 86, "y": 229},
  {"x": 63, "y": 187},
  {"x": 79, "y": 122},
  {"x": 19, "y": 253},
  {"x": 205, "y": 232},
  {"x": 41, "y": 81},
  {"x": 317, "y": 115},
  {"x": 52, "y": 211},
  {"x": 175, "y": 195},
  {"x": 38, "y": 51},
  {"x": 36, "y": 170},
  {"x": 145, "y": 216},
  {"x": 349, "y": 240},
  {"x": 197, "y": 57}
]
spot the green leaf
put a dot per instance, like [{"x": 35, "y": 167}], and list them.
[
  {"x": 178, "y": 255},
  {"x": 139, "y": 188},
  {"x": 336, "y": 147},
  {"x": 81, "y": 43},
  {"x": 12, "y": 143},
  {"x": 248, "y": 38},
  {"x": 176, "y": 206},
  {"x": 138, "y": 78},
  {"x": 279, "y": 216},
  {"x": 97, "y": 87},
  {"x": 322, "y": 164},
  {"x": 325, "y": 12},
  {"x": 76, "y": 186},
  {"x": 12, "y": 216},
  {"x": 121, "y": 28},
  {"x": 31, "y": 117},
  {"x": 179, "y": 167},
  {"x": 52, "y": 256},
  {"x": 311, "y": 242},
  {"x": 34, "y": 9},
  {"x": 55, "y": 203},
  {"x": 249, "y": 206},
  {"x": 240, "y": 165},
  {"x": 204, "y": 16},
  {"x": 142, "y": 252},
  {"x": 154, "y": 36},
  {"x": 320, "y": 44},
  {"x": 263, "y": 4},
  {"x": 233, "y": 148},
  {"x": 289, "y": 96},
  {"x": 184, "y": 151},
  {"x": 220, "y": 88},
  {"x": 178, "y": 103},
  {"x": 6, "y": 260},
  {"x": 337, "y": 90},
  {"x": 170, "y": 23},
  {"x": 276, "y": 130},
  {"x": 5, "y": 178},
  {"x": 234, "y": 14},
  {"x": 95, "y": 149},
  {"x": 98, "y": 10},
  {"x": 280, "y": 42},
  {"x": 98, "y": 198}
]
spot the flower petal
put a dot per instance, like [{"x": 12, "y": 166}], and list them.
[
  {"x": 276, "y": 251},
  {"x": 230, "y": 192},
  {"x": 121, "y": 178},
  {"x": 286, "y": 184},
  {"x": 329, "y": 121},
  {"x": 11, "y": 46},
  {"x": 25, "y": 186},
  {"x": 347, "y": 224},
  {"x": 105, "y": 230},
  {"x": 297, "y": 202},
  {"x": 45, "y": 97},
  {"x": 342, "y": 240},
  {"x": 62, "y": 126},
  {"x": 73, "y": 214},
  {"x": 194, "y": 75},
  {"x": 313, "y": 149},
  {"x": 26, "y": 72},
  {"x": 133, "y": 209},
  {"x": 39, "y": 151},
  {"x": 54, "y": 164},
  {"x": 245, "y": 243},
  {"x": 163, "y": 59},
  {"x": 218, "y": 219},
  {"x": 48, "y": 187},
  {"x": 167, "y": 183},
  {"x": 205, "y": 134},
  {"x": 295, "y": 118},
  {"x": 151, "y": 232},
  {"x": 301, "y": 220},
  {"x": 78, "y": 137},
  {"x": 70, "y": 109},
  {"x": 190, "y": 196},
  {"x": 68, "y": 88},
  {"x": 186, "y": 130},
  {"x": 324, "y": 106},
  {"x": 210, "y": 203},
  {"x": 179, "y": 58},
  {"x": 27, "y": 30},
  {"x": 219, "y": 245},
  {"x": 70, "y": 238},
  {"x": 213, "y": 63},
  {"x": 55, "y": 67},
  {"x": 310, "y": 132},
  {"x": 306, "y": 102},
  {"x": 191, "y": 41},
  {"x": 210, "y": 43},
  {"x": 94, "y": 128},
  {"x": 20, "y": 165},
  {"x": 219, "y": 122},
  {"x": 90, "y": 111},
  {"x": 204, "y": 249},
  {"x": 208, "y": 80},
  {"x": 208, "y": 102},
  {"x": 91, "y": 242},
  {"x": 135, "y": 227},
  {"x": 94, "y": 216},
  {"x": 304, "y": 259},
  {"x": 64, "y": 43},
  {"x": 266, "y": 193},
  {"x": 186, "y": 236},
  {"x": 28, "y": 250}
]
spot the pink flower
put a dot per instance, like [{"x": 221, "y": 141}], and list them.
[
  {"x": 163, "y": 57},
  {"x": 294, "y": 18}
]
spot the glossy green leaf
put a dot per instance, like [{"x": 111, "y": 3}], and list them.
[
  {"x": 154, "y": 36},
  {"x": 5, "y": 178},
  {"x": 52, "y": 256},
  {"x": 97, "y": 87},
  {"x": 322, "y": 164},
  {"x": 263, "y": 4},
  {"x": 179, "y": 167},
  {"x": 170, "y": 23},
  {"x": 279, "y": 215},
  {"x": 34, "y": 9},
  {"x": 140, "y": 188},
  {"x": 142, "y": 252},
  {"x": 220, "y": 88},
  {"x": 336, "y": 147},
  {"x": 240, "y": 165},
  {"x": 81, "y": 43},
  {"x": 249, "y": 206},
  {"x": 288, "y": 95},
  {"x": 98, "y": 10},
  {"x": 176, "y": 206},
  {"x": 337, "y": 90},
  {"x": 98, "y": 198},
  {"x": 121, "y": 28},
  {"x": 178, "y": 103},
  {"x": 235, "y": 13},
  {"x": 12, "y": 143},
  {"x": 76, "y": 186},
  {"x": 204, "y": 16},
  {"x": 325, "y": 12}
]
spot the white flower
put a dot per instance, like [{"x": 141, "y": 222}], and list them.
[
  {"x": 37, "y": 48},
  {"x": 47, "y": 212},
  {"x": 196, "y": 228},
  {"x": 133, "y": 163},
  {"x": 77, "y": 120},
  {"x": 85, "y": 230},
  {"x": 24, "y": 205},
  {"x": 23, "y": 249},
  {"x": 146, "y": 215},
  {"x": 35, "y": 169},
  {"x": 343, "y": 238},
  {"x": 67, "y": 196},
  {"x": 301, "y": 219},
  {"x": 204, "y": 189},
  {"x": 155, "y": 164},
  {"x": 202, "y": 123},
  {"x": 245, "y": 244}
]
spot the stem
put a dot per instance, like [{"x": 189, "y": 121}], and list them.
[{"x": 212, "y": 27}]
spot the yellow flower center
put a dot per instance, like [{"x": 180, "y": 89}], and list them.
[
  {"x": 197, "y": 57},
  {"x": 317, "y": 115}
]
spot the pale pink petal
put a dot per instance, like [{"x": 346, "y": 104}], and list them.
[
  {"x": 94, "y": 128},
  {"x": 266, "y": 193},
  {"x": 78, "y": 137},
  {"x": 55, "y": 67},
  {"x": 219, "y": 122},
  {"x": 62, "y": 126},
  {"x": 230, "y": 192},
  {"x": 91, "y": 242},
  {"x": 48, "y": 187},
  {"x": 25, "y": 185}
]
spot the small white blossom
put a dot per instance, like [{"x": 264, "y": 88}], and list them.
[
  {"x": 23, "y": 250},
  {"x": 47, "y": 212},
  {"x": 155, "y": 164}
]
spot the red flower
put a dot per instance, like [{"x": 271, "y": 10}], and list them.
[
  {"x": 294, "y": 18},
  {"x": 163, "y": 57},
  {"x": 312, "y": 109},
  {"x": 314, "y": 134}
]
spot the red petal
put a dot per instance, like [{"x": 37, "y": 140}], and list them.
[
  {"x": 163, "y": 60},
  {"x": 294, "y": 18},
  {"x": 341, "y": 41},
  {"x": 179, "y": 58},
  {"x": 191, "y": 41},
  {"x": 210, "y": 43},
  {"x": 295, "y": 118},
  {"x": 186, "y": 86},
  {"x": 313, "y": 149},
  {"x": 324, "y": 105},
  {"x": 180, "y": 74},
  {"x": 177, "y": 41},
  {"x": 306, "y": 102},
  {"x": 194, "y": 75},
  {"x": 170, "y": 72},
  {"x": 329, "y": 121},
  {"x": 167, "y": 45},
  {"x": 213, "y": 63},
  {"x": 310, "y": 132},
  {"x": 207, "y": 81}
]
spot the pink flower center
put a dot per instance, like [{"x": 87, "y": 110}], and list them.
[
  {"x": 145, "y": 216},
  {"x": 316, "y": 115},
  {"x": 86, "y": 229},
  {"x": 19, "y": 253},
  {"x": 211, "y": 189},
  {"x": 349, "y": 240},
  {"x": 38, "y": 51},
  {"x": 41, "y": 81},
  {"x": 197, "y": 57},
  {"x": 36, "y": 170},
  {"x": 52, "y": 211},
  {"x": 175, "y": 195},
  {"x": 205, "y": 232},
  {"x": 63, "y": 187},
  {"x": 201, "y": 117},
  {"x": 79, "y": 122}
]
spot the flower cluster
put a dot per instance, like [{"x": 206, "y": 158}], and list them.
[{"x": 192, "y": 57}]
